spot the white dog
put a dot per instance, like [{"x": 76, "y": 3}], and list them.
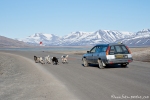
[
  {"x": 41, "y": 60},
  {"x": 48, "y": 59},
  {"x": 64, "y": 59}
]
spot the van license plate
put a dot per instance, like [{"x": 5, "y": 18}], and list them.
[{"x": 119, "y": 56}]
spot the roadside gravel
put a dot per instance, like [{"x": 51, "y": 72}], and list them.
[{"x": 22, "y": 79}]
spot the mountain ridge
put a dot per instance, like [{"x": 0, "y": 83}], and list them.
[{"x": 80, "y": 38}]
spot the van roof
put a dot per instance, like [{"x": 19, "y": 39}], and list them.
[
  {"x": 110, "y": 44},
  {"x": 102, "y": 44}
]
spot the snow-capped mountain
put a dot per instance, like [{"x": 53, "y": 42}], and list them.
[
  {"x": 92, "y": 38},
  {"x": 144, "y": 31},
  {"x": 141, "y": 38},
  {"x": 46, "y": 39}
]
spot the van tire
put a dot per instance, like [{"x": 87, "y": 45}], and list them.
[
  {"x": 100, "y": 64},
  {"x": 85, "y": 63},
  {"x": 124, "y": 65}
]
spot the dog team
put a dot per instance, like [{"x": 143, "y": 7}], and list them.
[{"x": 48, "y": 60}]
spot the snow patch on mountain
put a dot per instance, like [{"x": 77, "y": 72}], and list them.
[{"x": 46, "y": 39}]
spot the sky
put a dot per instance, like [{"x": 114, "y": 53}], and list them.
[{"x": 22, "y": 18}]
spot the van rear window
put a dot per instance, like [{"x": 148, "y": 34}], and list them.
[{"x": 118, "y": 49}]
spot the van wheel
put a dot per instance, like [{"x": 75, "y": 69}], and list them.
[
  {"x": 100, "y": 64},
  {"x": 124, "y": 65},
  {"x": 85, "y": 62}
]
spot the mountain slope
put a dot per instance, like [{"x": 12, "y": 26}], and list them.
[{"x": 11, "y": 43}]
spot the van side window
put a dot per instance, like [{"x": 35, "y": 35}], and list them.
[
  {"x": 98, "y": 49},
  {"x": 112, "y": 50},
  {"x": 104, "y": 49}
]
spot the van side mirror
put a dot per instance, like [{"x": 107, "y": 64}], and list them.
[{"x": 88, "y": 51}]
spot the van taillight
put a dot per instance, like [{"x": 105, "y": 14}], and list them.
[
  {"x": 129, "y": 61},
  {"x": 107, "y": 51},
  {"x": 128, "y": 49}
]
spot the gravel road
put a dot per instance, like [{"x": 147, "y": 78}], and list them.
[{"x": 90, "y": 83}]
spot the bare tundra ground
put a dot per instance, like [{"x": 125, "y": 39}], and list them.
[{"x": 141, "y": 54}]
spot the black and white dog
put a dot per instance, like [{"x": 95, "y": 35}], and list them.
[
  {"x": 55, "y": 61},
  {"x": 39, "y": 60},
  {"x": 35, "y": 58}
]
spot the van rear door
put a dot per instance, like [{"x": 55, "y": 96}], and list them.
[{"x": 119, "y": 51}]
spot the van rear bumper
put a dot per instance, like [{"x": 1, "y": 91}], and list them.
[{"x": 119, "y": 61}]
